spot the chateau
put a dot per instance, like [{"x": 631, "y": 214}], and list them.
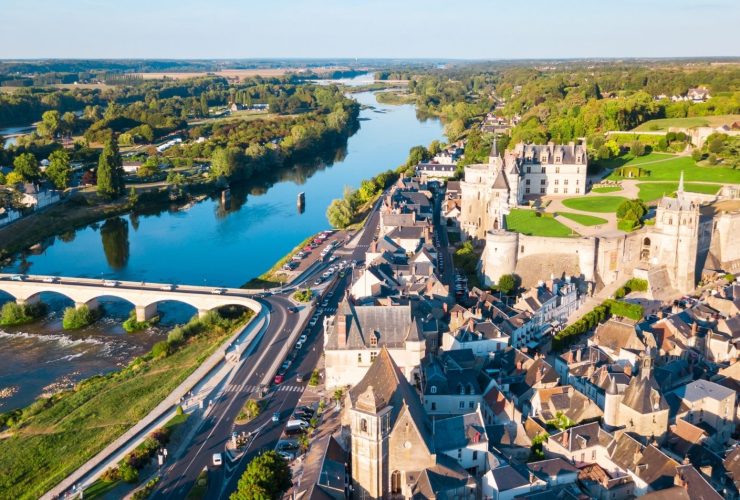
[{"x": 691, "y": 232}]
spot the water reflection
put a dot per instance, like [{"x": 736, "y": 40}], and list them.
[{"x": 114, "y": 235}]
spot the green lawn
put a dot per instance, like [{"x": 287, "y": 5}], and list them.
[
  {"x": 690, "y": 122},
  {"x": 650, "y": 191},
  {"x": 603, "y": 204},
  {"x": 527, "y": 222},
  {"x": 58, "y": 438},
  {"x": 606, "y": 189},
  {"x": 586, "y": 220},
  {"x": 671, "y": 169}
]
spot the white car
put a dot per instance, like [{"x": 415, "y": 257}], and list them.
[
  {"x": 218, "y": 291},
  {"x": 302, "y": 339},
  {"x": 217, "y": 459},
  {"x": 51, "y": 279},
  {"x": 110, "y": 283},
  {"x": 167, "y": 288}
]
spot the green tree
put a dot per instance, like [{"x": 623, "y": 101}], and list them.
[
  {"x": 637, "y": 148},
  {"x": 69, "y": 122},
  {"x": 339, "y": 214},
  {"x": 716, "y": 144},
  {"x": 149, "y": 167},
  {"x": 50, "y": 124},
  {"x": 267, "y": 477},
  {"x": 27, "y": 167},
  {"x": 251, "y": 408},
  {"x": 508, "y": 283},
  {"x": 203, "y": 105},
  {"x": 223, "y": 162},
  {"x": 59, "y": 170},
  {"x": 110, "y": 170},
  {"x": 697, "y": 155},
  {"x": 417, "y": 154}
]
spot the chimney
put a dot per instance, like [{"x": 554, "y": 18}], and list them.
[
  {"x": 578, "y": 355},
  {"x": 694, "y": 327},
  {"x": 445, "y": 308},
  {"x": 340, "y": 327},
  {"x": 566, "y": 437}
]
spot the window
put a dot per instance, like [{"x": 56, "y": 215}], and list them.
[
  {"x": 544, "y": 170},
  {"x": 542, "y": 182},
  {"x": 459, "y": 453},
  {"x": 373, "y": 341},
  {"x": 565, "y": 182},
  {"x": 565, "y": 190},
  {"x": 555, "y": 190},
  {"x": 433, "y": 389},
  {"x": 557, "y": 169},
  {"x": 542, "y": 190},
  {"x": 462, "y": 405},
  {"x": 578, "y": 181},
  {"x": 593, "y": 454},
  {"x": 434, "y": 406},
  {"x": 527, "y": 182},
  {"x": 557, "y": 182},
  {"x": 359, "y": 357},
  {"x": 529, "y": 170},
  {"x": 363, "y": 425},
  {"x": 475, "y": 454},
  {"x": 396, "y": 482},
  {"x": 578, "y": 190},
  {"x": 460, "y": 389},
  {"x": 470, "y": 388},
  {"x": 471, "y": 405},
  {"x": 583, "y": 457},
  {"x": 373, "y": 355},
  {"x": 526, "y": 191}
]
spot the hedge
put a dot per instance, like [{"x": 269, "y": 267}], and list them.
[{"x": 632, "y": 285}]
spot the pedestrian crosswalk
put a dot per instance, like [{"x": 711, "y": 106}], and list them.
[{"x": 251, "y": 388}]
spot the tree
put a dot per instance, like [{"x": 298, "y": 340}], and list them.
[
  {"x": 508, "y": 283},
  {"x": 13, "y": 178},
  {"x": 203, "y": 105},
  {"x": 697, "y": 155},
  {"x": 149, "y": 167},
  {"x": 59, "y": 171},
  {"x": 267, "y": 477},
  {"x": 223, "y": 162},
  {"x": 339, "y": 214},
  {"x": 27, "y": 167},
  {"x": 110, "y": 170},
  {"x": 417, "y": 154},
  {"x": 637, "y": 148},
  {"x": 251, "y": 408},
  {"x": 716, "y": 144},
  {"x": 50, "y": 124},
  {"x": 69, "y": 122}
]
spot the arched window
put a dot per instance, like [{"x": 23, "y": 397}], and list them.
[
  {"x": 470, "y": 388},
  {"x": 433, "y": 389},
  {"x": 363, "y": 425},
  {"x": 646, "y": 242},
  {"x": 460, "y": 389},
  {"x": 396, "y": 482}
]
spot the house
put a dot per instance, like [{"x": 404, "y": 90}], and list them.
[
  {"x": 563, "y": 402},
  {"x": 517, "y": 375},
  {"x": 618, "y": 339},
  {"x": 549, "y": 305},
  {"x": 581, "y": 444},
  {"x": 508, "y": 482},
  {"x": 355, "y": 335},
  {"x": 689, "y": 484},
  {"x": 700, "y": 94},
  {"x": 602, "y": 484},
  {"x": 554, "y": 472},
  {"x": 452, "y": 384},
  {"x": 648, "y": 467},
  {"x": 39, "y": 196},
  {"x": 482, "y": 337},
  {"x": 436, "y": 170},
  {"x": 131, "y": 167},
  {"x": 463, "y": 438},
  {"x": 710, "y": 406}
]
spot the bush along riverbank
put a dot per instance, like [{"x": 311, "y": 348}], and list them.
[
  {"x": 48, "y": 440},
  {"x": 80, "y": 317},
  {"x": 131, "y": 325},
  {"x": 13, "y": 314}
]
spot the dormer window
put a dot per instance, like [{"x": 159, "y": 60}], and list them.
[
  {"x": 579, "y": 159},
  {"x": 557, "y": 170},
  {"x": 460, "y": 389},
  {"x": 558, "y": 159},
  {"x": 373, "y": 341},
  {"x": 433, "y": 389}
]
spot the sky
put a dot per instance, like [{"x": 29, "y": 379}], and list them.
[{"x": 459, "y": 29}]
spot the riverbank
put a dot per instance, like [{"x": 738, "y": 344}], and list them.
[{"x": 51, "y": 438}]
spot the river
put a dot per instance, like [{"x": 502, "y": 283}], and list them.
[{"x": 207, "y": 244}]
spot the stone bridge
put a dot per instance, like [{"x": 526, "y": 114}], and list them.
[{"x": 144, "y": 296}]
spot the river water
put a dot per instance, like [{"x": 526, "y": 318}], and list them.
[{"x": 207, "y": 244}]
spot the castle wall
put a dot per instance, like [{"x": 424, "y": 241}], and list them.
[{"x": 726, "y": 232}]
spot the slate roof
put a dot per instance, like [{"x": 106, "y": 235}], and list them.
[
  {"x": 646, "y": 462},
  {"x": 507, "y": 478},
  {"x": 440, "y": 480},
  {"x": 583, "y": 436},
  {"x": 701, "y": 389},
  {"x": 617, "y": 334},
  {"x": 696, "y": 486},
  {"x": 568, "y": 401},
  {"x": 392, "y": 326},
  {"x": 406, "y": 233},
  {"x": 545, "y": 469},
  {"x": 459, "y": 432},
  {"x": 644, "y": 395}
]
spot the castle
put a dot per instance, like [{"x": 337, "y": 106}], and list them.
[{"x": 690, "y": 233}]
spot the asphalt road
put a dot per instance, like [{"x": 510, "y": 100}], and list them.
[{"x": 179, "y": 475}]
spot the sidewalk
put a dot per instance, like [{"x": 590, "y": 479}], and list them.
[{"x": 201, "y": 383}]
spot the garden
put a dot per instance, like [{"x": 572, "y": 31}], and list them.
[
  {"x": 535, "y": 223},
  {"x": 601, "y": 204}
]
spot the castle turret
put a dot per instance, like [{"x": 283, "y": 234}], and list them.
[
  {"x": 500, "y": 255},
  {"x": 611, "y": 405}
]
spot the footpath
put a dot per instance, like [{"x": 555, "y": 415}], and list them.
[{"x": 192, "y": 394}]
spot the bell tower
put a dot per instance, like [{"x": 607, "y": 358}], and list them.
[{"x": 369, "y": 427}]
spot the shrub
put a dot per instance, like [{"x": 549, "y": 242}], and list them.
[
  {"x": 78, "y": 317},
  {"x": 176, "y": 336},
  {"x": 303, "y": 295},
  {"x": 625, "y": 309},
  {"x": 13, "y": 313},
  {"x": 712, "y": 159},
  {"x": 314, "y": 380},
  {"x": 161, "y": 349},
  {"x": 730, "y": 277},
  {"x": 508, "y": 283},
  {"x": 697, "y": 155},
  {"x": 132, "y": 325},
  {"x": 637, "y": 148},
  {"x": 111, "y": 475},
  {"x": 627, "y": 225},
  {"x": 128, "y": 473}
]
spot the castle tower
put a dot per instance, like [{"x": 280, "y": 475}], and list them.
[
  {"x": 675, "y": 239},
  {"x": 500, "y": 255},
  {"x": 611, "y": 405},
  {"x": 369, "y": 427}
]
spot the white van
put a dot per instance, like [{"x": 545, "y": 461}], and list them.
[
  {"x": 217, "y": 460},
  {"x": 296, "y": 424}
]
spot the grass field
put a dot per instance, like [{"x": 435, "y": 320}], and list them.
[
  {"x": 607, "y": 189},
  {"x": 527, "y": 222},
  {"x": 586, "y": 220},
  {"x": 650, "y": 191},
  {"x": 55, "y": 440},
  {"x": 690, "y": 122},
  {"x": 670, "y": 169},
  {"x": 602, "y": 204}
]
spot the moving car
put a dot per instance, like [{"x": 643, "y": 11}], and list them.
[
  {"x": 17, "y": 277},
  {"x": 110, "y": 283},
  {"x": 279, "y": 379},
  {"x": 276, "y": 417},
  {"x": 218, "y": 291},
  {"x": 51, "y": 279},
  {"x": 299, "y": 378},
  {"x": 217, "y": 459}
]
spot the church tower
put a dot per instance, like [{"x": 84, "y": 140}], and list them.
[{"x": 370, "y": 427}]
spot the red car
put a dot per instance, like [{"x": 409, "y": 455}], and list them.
[{"x": 279, "y": 379}]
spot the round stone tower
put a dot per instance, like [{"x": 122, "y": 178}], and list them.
[
  {"x": 500, "y": 255},
  {"x": 611, "y": 405}
]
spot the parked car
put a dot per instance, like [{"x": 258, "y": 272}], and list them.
[
  {"x": 297, "y": 423},
  {"x": 303, "y": 338},
  {"x": 51, "y": 279},
  {"x": 17, "y": 277},
  {"x": 292, "y": 309},
  {"x": 286, "y": 455},
  {"x": 287, "y": 446},
  {"x": 110, "y": 283},
  {"x": 325, "y": 303},
  {"x": 217, "y": 459},
  {"x": 298, "y": 345},
  {"x": 306, "y": 409},
  {"x": 276, "y": 417},
  {"x": 313, "y": 321}
]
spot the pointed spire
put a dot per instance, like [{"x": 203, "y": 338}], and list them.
[
  {"x": 612, "y": 389},
  {"x": 680, "y": 184}
]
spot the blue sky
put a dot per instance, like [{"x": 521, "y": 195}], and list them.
[{"x": 464, "y": 29}]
